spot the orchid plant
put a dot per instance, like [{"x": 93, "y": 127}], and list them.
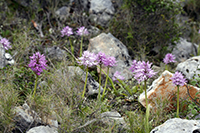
[
  {"x": 67, "y": 31},
  {"x": 100, "y": 58},
  {"x": 88, "y": 60},
  {"x": 168, "y": 59},
  {"x": 82, "y": 31},
  {"x": 37, "y": 64},
  {"x": 142, "y": 72},
  {"x": 5, "y": 43},
  {"x": 108, "y": 62},
  {"x": 178, "y": 80}
]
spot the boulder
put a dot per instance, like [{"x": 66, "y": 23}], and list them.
[
  {"x": 163, "y": 89},
  {"x": 190, "y": 67},
  {"x": 101, "y": 11},
  {"x": 184, "y": 50},
  {"x": 55, "y": 53},
  {"x": 177, "y": 125},
  {"x": 111, "y": 46},
  {"x": 63, "y": 12},
  {"x": 26, "y": 118}
]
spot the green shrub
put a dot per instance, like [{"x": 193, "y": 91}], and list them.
[
  {"x": 144, "y": 24},
  {"x": 23, "y": 81}
]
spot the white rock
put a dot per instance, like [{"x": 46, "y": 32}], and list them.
[
  {"x": 42, "y": 129},
  {"x": 177, "y": 125},
  {"x": 190, "y": 67}
]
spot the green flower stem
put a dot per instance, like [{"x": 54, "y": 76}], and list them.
[
  {"x": 99, "y": 94},
  {"x": 81, "y": 46},
  {"x": 147, "y": 110},
  {"x": 125, "y": 86},
  {"x": 104, "y": 90},
  {"x": 166, "y": 67},
  {"x": 177, "y": 112},
  {"x": 72, "y": 48},
  {"x": 85, "y": 83},
  {"x": 36, "y": 80},
  {"x": 115, "y": 91}
]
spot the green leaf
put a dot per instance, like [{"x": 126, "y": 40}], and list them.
[
  {"x": 129, "y": 35},
  {"x": 194, "y": 112},
  {"x": 125, "y": 86},
  {"x": 198, "y": 79},
  {"x": 135, "y": 88},
  {"x": 193, "y": 82},
  {"x": 197, "y": 93},
  {"x": 190, "y": 106}
]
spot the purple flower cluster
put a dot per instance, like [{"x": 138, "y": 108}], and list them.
[
  {"x": 66, "y": 31},
  {"x": 5, "y": 43},
  {"x": 37, "y": 63},
  {"x": 110, "y": 61},
  {"x": 142, "y": 70},
  {"x": 117, "y": 76},
  {"x": 90, "y": 59},
  {"x": 101, "y": 57},
  {"x": 169, "y": 58},
  {"x": 133, "y": 66},
  {"x": 178, "y": 79},
  {"x": 82, "y": 31}
]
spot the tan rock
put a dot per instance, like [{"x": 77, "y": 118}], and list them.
[{"x": 163, "y": 89}]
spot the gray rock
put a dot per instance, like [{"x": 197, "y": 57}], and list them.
[
  {"x": 184, "y": 21},
  {"x": 63, "y": 12},
  {"x": 42, "y": 129},
  {"x": 84, "y": 4},
  {"x": 111, "y": 46},
  {"x": 111, "y": 117},
  {"x": 190, "y": 67},
  {"x": 108, "y": 118},
  {"x": 101, "y": 11},
  {"x": 184, "y": 50},
  {"x": 182, "y": 2},
  {"x": 177, "y": 125},
  {"x": 2, "y": 56},
  {"x": 31, "y": 4},
  {"x": 117, "y": 3},
  {"x": 94, "y": 31},
  {"x": 75, "y": 77},
  {"x": 24, "y": 3},
  {"x": 9, "y": 60},
  {"x": 55, "y": 53},
  {"x": 5, "y": 58},
  {"x": 26, "y": 118}
]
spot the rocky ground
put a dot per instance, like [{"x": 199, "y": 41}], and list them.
[{"x": 32, "y": 26}]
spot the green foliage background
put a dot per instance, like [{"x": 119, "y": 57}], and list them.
[{"x": 144, "y": 24}]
